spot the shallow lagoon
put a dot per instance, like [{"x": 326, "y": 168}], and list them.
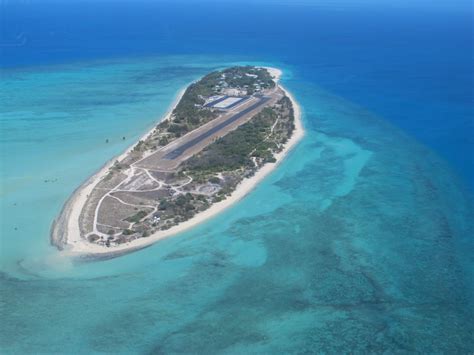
[{"x": 359, "y": 240}]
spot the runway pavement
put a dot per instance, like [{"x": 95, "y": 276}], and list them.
[{"x": 169, "y": 157}]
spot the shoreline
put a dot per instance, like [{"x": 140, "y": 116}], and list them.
[{"x": 65, "y": 233}]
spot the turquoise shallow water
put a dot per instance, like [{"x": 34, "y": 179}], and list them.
[
  {"x": 56, "y": 121},
  {"x": 360, "y": 240}
]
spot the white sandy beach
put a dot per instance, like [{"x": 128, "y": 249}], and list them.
[{"x": 74, "y": 245}]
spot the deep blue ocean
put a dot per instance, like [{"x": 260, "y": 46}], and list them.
[{"x": 361, "y": 241}]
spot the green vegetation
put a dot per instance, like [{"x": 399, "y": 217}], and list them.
[
  {"x": 119, "y": 166},
  {"x": 212, "y": 174},
  {"x": 235, "y": 150},
  {"x": 242, "y": 151},
  {"x": 190, "y": 112},
  {"x": 214, "y": 180},
  {"x": 184, "y": 206},
  {"x": 248, "y": 77}
]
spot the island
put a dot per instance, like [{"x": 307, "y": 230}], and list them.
[{"x": 225, "y": 133}]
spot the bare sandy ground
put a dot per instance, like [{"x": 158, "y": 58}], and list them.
[{"x": 65, "y": 232}]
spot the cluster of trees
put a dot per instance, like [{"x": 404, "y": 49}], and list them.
[
  {"x": 189, "y": 112},
  {"x": 117, "y": 167},
  {"x": 234, "y": 151},
  {"x": 184, "y": 205},
  {"x": 237, "y": 77},
  {"x": 288, "y": 125},
  {"x": 181, "y": 208}
]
